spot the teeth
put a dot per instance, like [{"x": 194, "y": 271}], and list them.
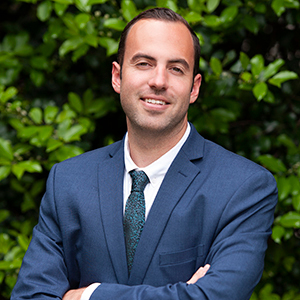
[{"x": 155, "y": 101}]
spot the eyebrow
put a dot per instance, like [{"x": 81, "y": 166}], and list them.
[{"x": 151, "y": 58}]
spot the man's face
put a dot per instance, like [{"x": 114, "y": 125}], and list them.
[{"x": 157, "y": 82}]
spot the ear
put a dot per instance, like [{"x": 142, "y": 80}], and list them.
[
  {"x": 195, "y": 88},
  {"x": 116, "y": 77}
]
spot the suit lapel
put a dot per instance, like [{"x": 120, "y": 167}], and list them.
[
  {"x": 111, "y": 173},
  {"x": 177, "y": 180}
]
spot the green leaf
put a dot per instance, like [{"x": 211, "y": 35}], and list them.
[
  {"x": 36, "y": 115},
  {"x": 272, "y": 163},
  {"x": 4, "y": 214},
  {"x": 211, "y": 5},
  {"x": 277, "y": 233},
  {"x": 295, "y": 185},
  {"x": 257, "y": 64},
  {"x": 216, "y": 66},
  {"x": 129, "y": 10},
  {"x": 44, "y": 10},
  {"x": 6, "y": 149},
  {"x": 69, "y": 21},
  {"x": 75, "y": 102},
  {"x": 23, "y": 241},
  {"x": 4, "y": 172},
  {"x": 28, "y": 132},
  {"x": 83, "y": 5},
  {"x": 5, "y": 243},
  {"x": 244, "y": 59},
  {"x": 290, "y": 220},
  {"x": 246, "y": 76},
  {"x": 31, "y": 166},
  {"x": 21, "y": 149},
  {"x": 278, "y": 7},
  {"x": 91, "y": 2},
  {"x": 260, "y": 90},
  {"x": 28, "y": 203},
  {"x": 269, "y": 98},
  {"x": 65, "y": 152},
  {"x": 288, "y": 263},
  {"x": 282, "y": 77},
  {"x": 285, "y": 140},
  {"x": 39, "y": 62},
  {"x": 171, "y": 4},
  {"x": 251, "y": 24},
  {"x": 10, "y": 265},
  {"x": 82, "y": 19},
  {"x": 193, "y": 16},
  {"x": 266, "y": 293},
  {"x": 70, "y": 45},
  {"x": 60, "y": 8},
  {"x": 296, "y": 202},
  {"x": 223, "y": 114},
  {"x": 212, "y": 21},
  {"x": 28, "y": 165},
  {"x": 260, "y": 8},
  {"x": 228, "y": 14},
  {"x": 50, "y": 113},
  {"x": 88, "y": 98},
  {"x": 66, "y": 114},
  {"x": 79, "y": 52},
  {"x": 37, "y": 77},
  {"x": 44, "y": 133},
  {"x": 109, "y": 44},
  {"x": 273, "y": 68},
  {"x": 8, "y": 94},
  {"x": 53, "y": 144},
  {"x": 196, "y": 6},
  {"x": 115, "y": 23},
  {"x": 74, "y": 133},
  {"x": 91, "y": 40},
  {"x": 64, "y": 1},
  {"x": 284, "y": 188}
]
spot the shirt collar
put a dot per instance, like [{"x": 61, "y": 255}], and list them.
[{"x": 160, "y": 166}]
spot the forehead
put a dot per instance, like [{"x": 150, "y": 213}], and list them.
[{"x": 161, "y": 38}]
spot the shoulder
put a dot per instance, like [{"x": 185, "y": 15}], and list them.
[
  {"x": 88, "y": 161},
  {"x": 221, "y": 163}
]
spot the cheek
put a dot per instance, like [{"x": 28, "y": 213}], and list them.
[
  {"x": 132, "y": 83},
  {"x": 183, "y": 91}
]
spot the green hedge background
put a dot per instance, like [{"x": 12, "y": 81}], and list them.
[{"x": 56, "y": 102}]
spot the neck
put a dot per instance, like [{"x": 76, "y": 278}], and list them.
[{"x": 145, "y": 148}]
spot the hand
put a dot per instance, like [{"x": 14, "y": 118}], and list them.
[
  {"x": 199, "y": 274},
  {"x": 73, "y": 294}
]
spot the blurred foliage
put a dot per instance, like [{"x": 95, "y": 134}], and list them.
[{"x": 56, "y": 102}]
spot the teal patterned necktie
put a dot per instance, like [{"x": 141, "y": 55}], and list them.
[{"x": 134, "y": 218}]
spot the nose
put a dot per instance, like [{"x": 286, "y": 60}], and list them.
[{"x": 159, "y": 78}]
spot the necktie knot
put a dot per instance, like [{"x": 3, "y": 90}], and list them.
[{"x": 139, "y": 180}]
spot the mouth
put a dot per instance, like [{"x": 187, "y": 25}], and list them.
[{"x": 154, "y": 101}]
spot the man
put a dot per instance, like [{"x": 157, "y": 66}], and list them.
[{"x": 206, "y": 209}]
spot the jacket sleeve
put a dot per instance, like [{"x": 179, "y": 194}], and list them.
[
  {"x": 236, "y": 255},
  {"x": 43, "y": 274}
]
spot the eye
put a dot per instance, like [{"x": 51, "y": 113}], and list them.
[
  {"x": 143, "y": 64},
  {"x": 177, "y": 70}
]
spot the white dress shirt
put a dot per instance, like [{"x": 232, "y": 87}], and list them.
[{"x": 156, "y": 173}]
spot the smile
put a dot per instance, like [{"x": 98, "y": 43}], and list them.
[{"x": 152, "y": 101}]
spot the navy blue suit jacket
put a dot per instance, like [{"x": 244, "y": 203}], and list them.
[{"x": 213, "y": 207}]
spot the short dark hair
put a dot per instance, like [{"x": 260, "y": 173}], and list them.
[{"x": 163, "y": 14}]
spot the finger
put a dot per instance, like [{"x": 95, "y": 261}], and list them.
[{"x": 199, "y": 274}]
